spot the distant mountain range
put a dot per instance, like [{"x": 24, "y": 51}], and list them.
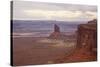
[{"x": 52, "y": 21}]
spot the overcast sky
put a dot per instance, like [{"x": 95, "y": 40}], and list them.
[{"x": 27, "y": 10}]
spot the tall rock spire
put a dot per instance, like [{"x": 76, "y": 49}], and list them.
[
  {"x": 56, "y": 33},
  {"x": 56, "y": 28}
]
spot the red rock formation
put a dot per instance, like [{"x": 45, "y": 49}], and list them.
[
  {"x": 93, "y": 21},
  {"x": 57, "y": 33},
  {"x": 86, "y": 49},
  {"x": 56, "y": 28},
  {"x": 87, "y": 36}
]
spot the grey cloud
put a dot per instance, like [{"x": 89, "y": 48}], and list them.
[{"x": 20, "y": 6}]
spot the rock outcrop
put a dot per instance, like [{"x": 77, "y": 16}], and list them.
[
  {"x": 93, "y": 21},
  {"x": 87, "y": 36},
  {"x": 56, "y": 28},
  {"x": 86, "y": 48},
  {"x": 56, "y": 33}
]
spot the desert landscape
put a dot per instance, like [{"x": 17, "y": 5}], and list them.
[
  {"x": 51, "y": 33},
  {"x": 57, "y": 48},
  {"x": 42, "y": 50}
]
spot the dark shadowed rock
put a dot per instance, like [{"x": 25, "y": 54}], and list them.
[
  {"x": 56, "y": 33},
  {"x": 56, "y": 28}
]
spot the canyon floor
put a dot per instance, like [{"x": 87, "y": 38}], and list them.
[{"x": 40, "y": 50}]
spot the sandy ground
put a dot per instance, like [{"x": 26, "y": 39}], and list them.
[
  {"x": 32, "y": 50},
  {"x": 79, "y": 55}
]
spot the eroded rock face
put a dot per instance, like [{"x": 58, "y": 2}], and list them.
[{"x": 87, "y": 36}]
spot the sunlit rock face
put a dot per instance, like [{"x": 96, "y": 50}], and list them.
[{"x": 57, "y": 33}]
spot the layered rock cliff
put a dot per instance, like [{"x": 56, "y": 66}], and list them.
[{"x": 87, "y": 36}]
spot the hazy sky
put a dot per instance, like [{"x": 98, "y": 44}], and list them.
[{"x": 27, "y": 10}]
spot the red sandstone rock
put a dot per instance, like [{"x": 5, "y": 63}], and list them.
[
  {"x": 56, "y": 28},
  {"x": 87, "y": 37},
  {"x": 57, "y": 33},
  {"x": 86, "y": 49}
]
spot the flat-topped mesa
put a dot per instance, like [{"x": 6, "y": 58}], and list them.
[{"x": 92, "y": 21}]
